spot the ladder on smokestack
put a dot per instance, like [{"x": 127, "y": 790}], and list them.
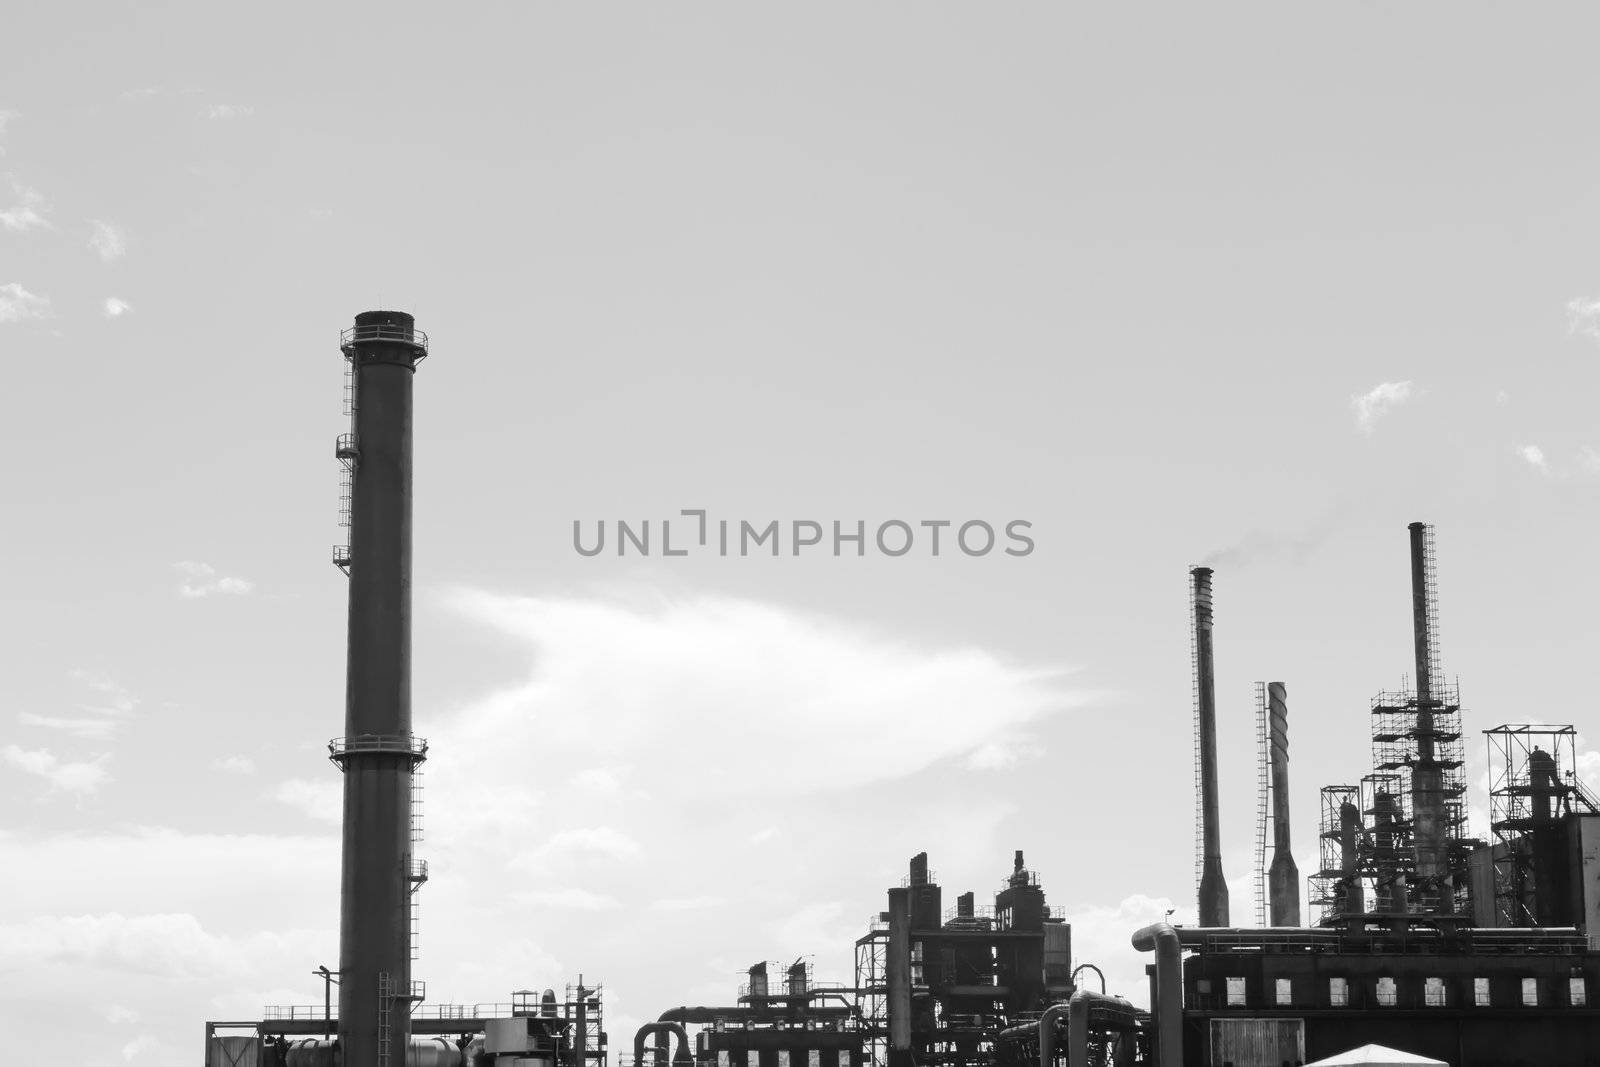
[
  {"x": 349, "y": 455},
  {"x": 417, "y": 870},
  {"x": 1263, "y": 788},
  {"x": 1199, "y": 762}
]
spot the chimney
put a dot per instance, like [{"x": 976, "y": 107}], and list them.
[
  {"x": 1283, "y": 877},
  {"x": 378, "y": 753},
  {"x": 1213, "y": 887},
  {"x": 1427, "y": 776}
]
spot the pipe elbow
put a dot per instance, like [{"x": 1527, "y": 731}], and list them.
[{"x": 1156, "y": 935}]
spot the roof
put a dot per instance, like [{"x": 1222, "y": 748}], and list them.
[{"x": 1376, "y": 1056}]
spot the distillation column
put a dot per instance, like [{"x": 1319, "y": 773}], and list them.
[
  {"x": 1427, "y": 777},
  {"x": 378, "y": 753}
]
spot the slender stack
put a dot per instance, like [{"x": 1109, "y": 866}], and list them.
[
  {"x": 1283, "y": 877},
  {"x": 378, "y": 753},
  {"x": 1213, "y": 887}
]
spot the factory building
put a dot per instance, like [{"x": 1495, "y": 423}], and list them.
[{"x": 1414, "y": 934}]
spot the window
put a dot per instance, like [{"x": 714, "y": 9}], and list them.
[
  {"x": 1433, "y": 994},
  {"x": 1480, "y": 992},
  {"x": 1530, "y": 992},
  {"x": 1386, "y": 992},
  {"x": 1577, "y": 991},
  {"x": 1338, "y": 992},
  {"x": 1283, "y": 992},
  {"x": 1235, "y": 992}
]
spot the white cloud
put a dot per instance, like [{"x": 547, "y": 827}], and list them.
[
  {"x": 82, "y": 778},
  {"x": 572, "y": 899},
  {"x": 1502, "y": 398},
  {"x": 115, "y": 307},
  {"x": 763, "y": 835},
  {"x": 202, "y": 579},
  {"x": 1100, "y": 936},
  {"x": 320, "y": 798},
  {"x": 229, "y": 111},
  {"x": 116, "y": 701},
  {"x": 97, "y": 729},
  {"x": 17, "y": 304},
  {"x": 27, "y": 213},
  {"x": 604, "y": 780},
  {"x": 5, "y": 119},
  {"x": 598, "y": 841},
  {"x": 1583, "y": 316},
  {"x": 734, "y": 682},
  {"x": 688, "y": 903},
  {"x": 235, "y": 764},
  {"x": 1533, "y": 456},
  {"x": 1001, "y": 754},
  {"x": 117, "y": 1014},
  {"x": 1378, "y": 402},
  {"x": 1589, "y": 457},
  {"x": 107, "y": 240}
]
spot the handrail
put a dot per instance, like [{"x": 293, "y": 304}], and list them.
[
  {"x": 404, "y": 744},
  {"x": 383, "y": 331}
]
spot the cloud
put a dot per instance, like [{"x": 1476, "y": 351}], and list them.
[
  {"x": 598, "y": 841},
  {"x": 229, "y": 111},
  {"x": 1377, "y": 402},
  {"x": 88, "y": 729},
  {"x": 321, "y": 798},
  {"x": 572, "y": 899},
  {"x": 605, "y": 780},
  {"x": 28, "y": 211},
  {"x": 115, "y": 307},
  {"x": 1583, "y": 316},
  {"x": 17, "y": 304},
  {"x": 1589, "y": 458},
  {"x": 235, "y": 764},
  {"x": 1533, "y": 456},
  {"x": 117, "y": 702},
  {"x": 82, "y": 778},
  {"x": 688, "y": 903},
  {"x": 998, "y": 755},
  {"x": 763, "y": 835},
  {"x": 117, "y": 1014},
  {"x": 735, "y": 682},
  {"x": 5, "y": 120},
  {"x": 109, "y": 241},
  {"x": 201, "y": 580}
]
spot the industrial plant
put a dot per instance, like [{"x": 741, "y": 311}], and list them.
[{"x": 1407, "y": 931}]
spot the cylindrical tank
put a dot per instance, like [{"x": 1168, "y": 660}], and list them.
[
  {"x": 433, "y": 1052},
  {"x": 312, "y": 1052}
]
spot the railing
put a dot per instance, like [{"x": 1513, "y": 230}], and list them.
[
  {"x": 383, "y": 331},
  {"x": 399, "y": 744},
  {"x": 279, "y": 1012}
]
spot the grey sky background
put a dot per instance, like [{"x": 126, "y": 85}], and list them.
[{"x": 1127, "y": 275}]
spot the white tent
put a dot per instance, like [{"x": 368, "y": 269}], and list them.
[{"x": 1377, "y": 1056}]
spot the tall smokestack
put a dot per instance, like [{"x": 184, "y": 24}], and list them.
[
  {"x": 378, "y": 753},
  {"x": 1213, "y": 888},
  {"x": 1283, "y": 877},
  {"x": 1427, "y": 777}
]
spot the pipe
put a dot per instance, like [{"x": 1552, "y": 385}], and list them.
[
  {"x": 1283, "y": 877},
  {"x": 378, "y": 754},
  {"x": 683, "y": 1057},
  {"x": 1047, "y": 1033},
  {"x": 1427, "y": 777},
  {"x": 898, "y": 966},
  {"x": 1162, "y": 939},
  {"x": 1350, "y": 858},
  {"x": 1078, "y": 1024},
  {"x": 1213, "y": 887}
]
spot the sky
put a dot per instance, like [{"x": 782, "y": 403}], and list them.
[{"x": 1255, "y": 286}]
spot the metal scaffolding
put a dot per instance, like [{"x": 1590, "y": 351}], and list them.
[{"x": 1533, "y": 782}]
